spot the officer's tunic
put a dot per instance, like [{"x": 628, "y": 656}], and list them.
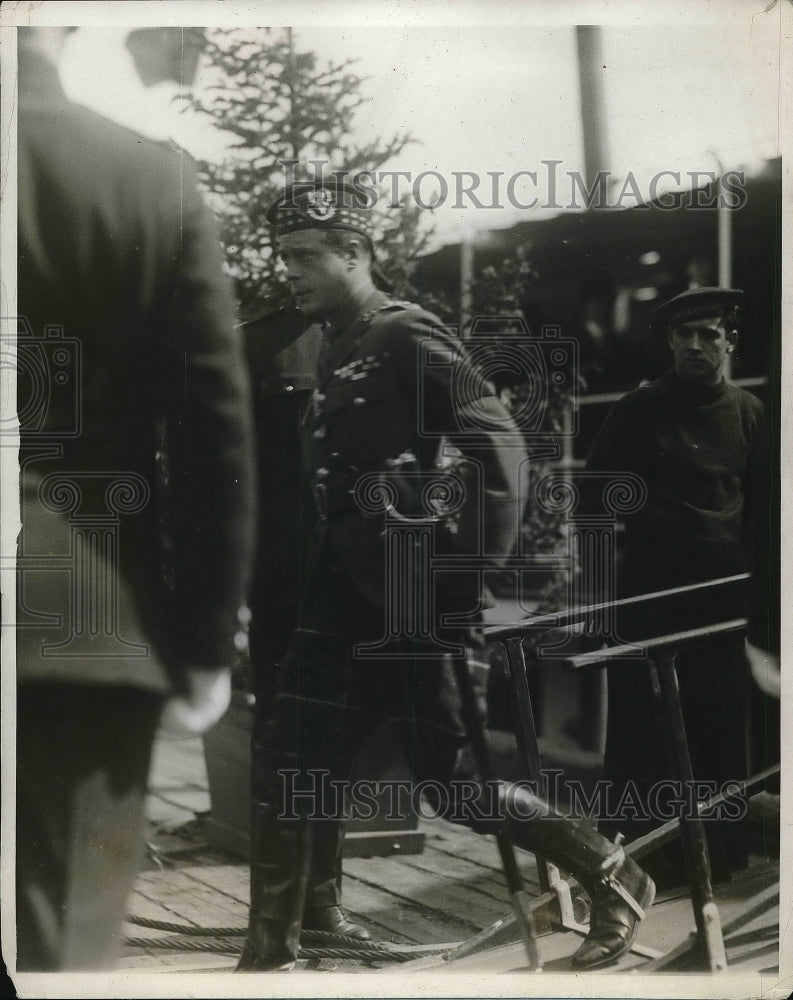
[
  {"x": 392, "y": 387},
  {"x": 281, "y": 349},
  {"x": 695, "y": 448}
]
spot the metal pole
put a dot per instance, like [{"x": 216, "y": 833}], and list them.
[
  {"x": 725, "y": 253},
  {"x": 594, "y": 116},
  {"x": 504, "y": 841},
  {"x": 725, "y": 241},
  {"x": 724, "y": 216},
  {"x": 692, "y": 832},
  {"x": 466, "y": 280},
  {"x": 526, "y": 734},
  {"x": 724, "y": 237}
]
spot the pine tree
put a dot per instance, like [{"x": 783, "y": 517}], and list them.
[{"x": 286, "y": 115}]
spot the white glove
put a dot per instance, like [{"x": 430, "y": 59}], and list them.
[
  {"x": 207, "y": 696},
  {"x": 765, "y": 670}
]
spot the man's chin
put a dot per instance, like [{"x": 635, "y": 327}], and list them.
[{"x": 698, "y": 373}]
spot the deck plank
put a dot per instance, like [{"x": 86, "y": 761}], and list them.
[
  {"x": 459, "y": 841},
  {"x": 232, "y": 881},
  {"x": 397, "y": 919},
  {"x": 432, "y": 893},
  {"x": 480, "y": 880},
  {"x": 444, "y": 895},
  {"x": 188, "y": 899}
]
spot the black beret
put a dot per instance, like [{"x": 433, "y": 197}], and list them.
[
  {"x": 323, "y": 205},
  {"x": 700, "y": 303}
]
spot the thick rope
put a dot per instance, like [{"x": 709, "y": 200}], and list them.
[
  {"x": 227, "y": 948},
  {"x": 189, "y": 929},
  {"x": 321, "y": 944},
  {"x": 364, "y": 952},
  {"x": 179, "y": 944}
]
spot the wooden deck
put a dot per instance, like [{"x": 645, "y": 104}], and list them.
[
  {"x": 425, "y": 904},
  {"x": 443, "y": 896}
]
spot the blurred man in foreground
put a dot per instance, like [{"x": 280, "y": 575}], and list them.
[{"x": 133, "y": 560}]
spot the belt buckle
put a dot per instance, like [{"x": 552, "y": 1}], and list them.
[{"x": 321, "y": 500}]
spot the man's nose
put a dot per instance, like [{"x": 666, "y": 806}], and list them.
[{"x": 695, "y": 343}]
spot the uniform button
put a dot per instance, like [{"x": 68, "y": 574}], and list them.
[
  {"x": 289, "y": 388},
  {"x": 359, "y": 401},
  {"x": 334, "y": 454},
  {"x": 320, "y": 397},
  {"x": 319, "y": 433}
]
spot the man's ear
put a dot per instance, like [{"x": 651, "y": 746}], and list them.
[{"x": 732, "y": 340}]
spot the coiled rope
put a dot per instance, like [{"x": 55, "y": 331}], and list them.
[{"x": 314, "y": 944}]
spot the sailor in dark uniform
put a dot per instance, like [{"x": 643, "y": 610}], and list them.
[
  {"x": 694, "y": 439},
  {"x": 404, "y": 432}
]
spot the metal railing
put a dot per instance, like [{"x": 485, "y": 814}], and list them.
[{"x": 656, "y": 651}]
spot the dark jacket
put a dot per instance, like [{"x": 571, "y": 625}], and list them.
[
  {"x": 695, "y": 449},
  {"x": 134, "y": 405},
  {"x": 396, "y": 394},
  {"x": 281, "y": 348}
]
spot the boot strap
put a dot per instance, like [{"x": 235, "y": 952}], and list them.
[{"x": 609, "y": 879}]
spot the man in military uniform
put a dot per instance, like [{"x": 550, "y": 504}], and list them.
[
  {"x": 392, "y": 386},
  {"x": 694, "y": 438},
  {"x": 282, "y": 349}
]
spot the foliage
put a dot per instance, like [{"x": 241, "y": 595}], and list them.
[
  {"x": 501, "y": 291},
  {"x": 288, "y": 118}
]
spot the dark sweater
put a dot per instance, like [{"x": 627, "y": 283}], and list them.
[{"x": 695, "y": 448}]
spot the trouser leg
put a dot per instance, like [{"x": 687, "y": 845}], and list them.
[
  {"x": 312, "y": 737},
  {"x": 280, "y": 866},
  {"x": 83, "y": 757},
  {"x": 642, "y": 790},
  {"x": 323, "y": 888},
  {"x": 270, "y": 639}
]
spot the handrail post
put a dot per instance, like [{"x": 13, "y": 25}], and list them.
[
  {"x": 526, "y": 733},
  {"x": 692, "y": 831}
]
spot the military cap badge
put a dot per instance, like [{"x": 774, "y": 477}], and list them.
[{"x": 319, "y": 204}]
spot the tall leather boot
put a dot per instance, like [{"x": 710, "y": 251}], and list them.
[
  {"x": 620, "y": 891},
  {"x": 323, "y": 901},
  {"x": 280, "y": 866}
]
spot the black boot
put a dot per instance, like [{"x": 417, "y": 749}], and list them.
[
  {"x": 323, "y": 901},
  {"x": 334, "y": 920},
  {"x": 620, "y": 891},
  {"x": 280, "y": 865}
]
